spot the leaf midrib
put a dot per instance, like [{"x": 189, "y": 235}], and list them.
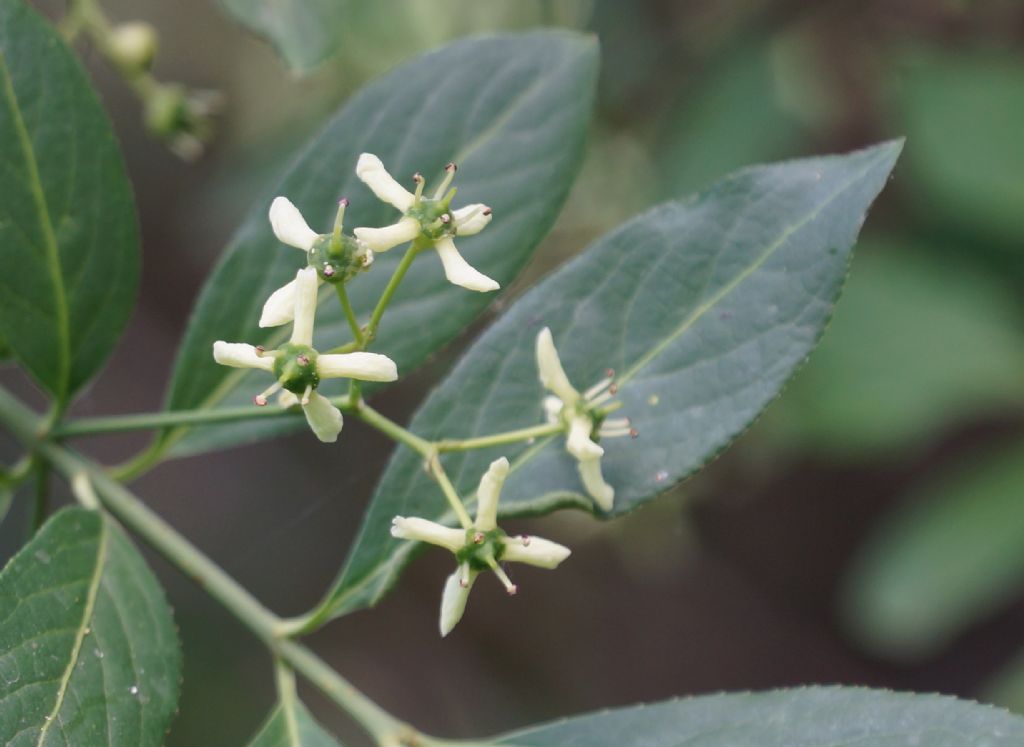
[
  {"x": 50, "y": 239},
  {"x": 90, "y": 604}
]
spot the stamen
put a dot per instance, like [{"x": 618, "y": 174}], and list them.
[
  {"x": 601, "y": 398},
  {"x": 510, "y": 587},
  {"x": 328, "y": 271},
  {"x": 339, "y": 218},
  {"x": 260, "y": 400},
  {"x": 260, "y": 350},
  {"x": 616, "y": 432},
  {"x": 597, "y": 388},
  {"x": 616, "y": 423},
  {"x": 446, "y": 219},
  {"x": 449, "y": 174},
  {"x": 464, "y": 575},
  {"x": 302, "y": 360},
  {"x": 478, "y": 538},
  {"x": 305, "y": 395},
  {"x": 418, "y": 179}
]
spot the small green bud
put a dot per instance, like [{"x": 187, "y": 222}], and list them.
[
  {"x": 295, "y": 368},
  {"x": 134, "y": 45}
]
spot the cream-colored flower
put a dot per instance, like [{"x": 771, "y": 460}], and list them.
[
  {"x": 430, "y": 218},
  {"x": 481, "y": 547},
  {"x": 582, "y": 416},
  {"x": 299, "y": 368},
  {"x": 335, "y": 256}
]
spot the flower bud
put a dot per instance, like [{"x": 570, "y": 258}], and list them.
[{"x": 134, "y": 45}]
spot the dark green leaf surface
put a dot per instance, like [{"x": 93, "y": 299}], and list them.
[
  {"x": 915, "y": 345},
  {"x": 511, "y": 110},
  {"x": 952, "y": 554},
  {"x": 806, "y": 717},
  {"x": 88, "y": 650},
  {"x": 69, "y": 260},
  {"x": 292, "y": 726},
  {"x": 305, "y": 32},
  {"x": 703, "y": 307}
]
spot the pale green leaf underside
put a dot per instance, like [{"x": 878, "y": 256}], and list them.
[
  {"x": 305, "y": 32},
  {"x": 951, "y": 554},
  {"x": 511, "y": 110},
  {"x": 292, "y": 726},
  {"x": 703, "y": 307},
  {"x": 805, "y": 717},
  {"x": 88, "y": 650},
  {"x": 69, "y": 259}
]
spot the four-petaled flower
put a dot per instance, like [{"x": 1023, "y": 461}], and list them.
[
  {"x": 299, "y": 368},
  {"x": 429, "y": 218},
  {"x": 337, "y": 258},
  {"x": 480, "y": 547},
  {"x": 582, "y": 416}
]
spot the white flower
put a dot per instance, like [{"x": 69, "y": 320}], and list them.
[
  {"x": 483, "y": 546},
  {"x": 336, "y": 257},
  {"x": 428, "y": 217},
  {"x": 581, "y": 416},
  {"x": 299, "y": 368}
]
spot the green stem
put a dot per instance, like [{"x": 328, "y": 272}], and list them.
[
  {"x": 172, "y": 418},
  {"x": 396, "y": 278},
  {"x": 438, "y": 473},
  {"x": 392, "y": 429},
  {"x": 385, "y": 728},
  {"x": 350, "y": 314},
  {"x": 41, "y": 497},
  {"x": 498, "y": 439}
]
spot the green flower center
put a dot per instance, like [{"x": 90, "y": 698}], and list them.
[
  {"x": 435, "y": 217},
  {"x": 482, "y": 548},
  {"x": 295, "y": 368},
  {"x": 337, "y": 261}
]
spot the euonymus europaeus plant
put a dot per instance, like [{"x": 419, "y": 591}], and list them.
[{"x": 614, "y": 378}]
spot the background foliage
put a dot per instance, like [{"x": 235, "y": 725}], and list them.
[{"x": 777, "y": 566}]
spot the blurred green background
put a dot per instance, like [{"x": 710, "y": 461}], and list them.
[{"x": 868, "y": 530}]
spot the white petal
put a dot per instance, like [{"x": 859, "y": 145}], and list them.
[
  {"x": 578, "y": 443},
  {"x": 240, "y": 355},
  {"x": 602, "y": 493},
  {"x": 388, "y": 237},
  {"x": 458, "y": 270},
  {"x": 487, "y": 495},
  {"x": 363, "y": 366},
  {"x": 454, "y": 598},
  {"x": 289, "y": 225},
  {"x": 370, "y": 169},
  {"x": 323, "y": 417},
  {"x": 280, "y": 307},
  {"x": 306, "y": 283},
  {"x": 471, "y": 219},
  {"x": 552, "y": 408},
  {"x": 535, "y": 551},
  {"x": 549, "y": 366},
  {"x": 422, "y": 530}
]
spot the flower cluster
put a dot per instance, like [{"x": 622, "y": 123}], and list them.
[
  {"x": 481, "y": 547},
  {"x": 336, "y": 258}
]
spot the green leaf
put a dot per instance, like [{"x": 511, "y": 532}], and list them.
[
  {"x": 806, "y": 717},
  {"x": 69, "y": 265},
  {"x": 511, "y": 110},
  {"x": 952, "y": 553},
  {"x": 292, "y": 726},
  {"x": 966, "y": 168},
  {"x": 703, "y": 307},
  {"x": 915, "y": 345},
  {"x": 88, "y": 650},
  {"x": 305, "y": 32}
]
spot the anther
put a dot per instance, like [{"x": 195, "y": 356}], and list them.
[
  {"x": 328, "y": 271},
  {"x": 303, "y": 360},
  {"x": 451, "y": 166},
  {"x": 260, "y": 350},
  {"x": 446, "y": 219},
  {"x": 610, "y": 373},
  {"x": 417, "y": 177},
  {"x": 633, "y": 433},
  {"x": 259, "y": 400},
  {"x": 478, "y": 538},
  {"x": 613, "y": 389},
  {"x": 525, "y": 539},
  {"x": 343, "y": 202},
  {"x": 487, "y": 211}
]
